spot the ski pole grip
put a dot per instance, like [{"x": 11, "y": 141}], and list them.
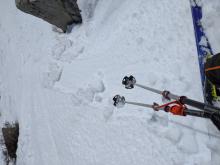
[
  {"x": 197, "y": 104},
  {"x": 197, "y": 113},
  {"x": 193, "y": 103}
]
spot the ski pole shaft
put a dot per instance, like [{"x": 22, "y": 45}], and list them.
[
  {"x": 198, "y": 104},
  {"x": 197, "y": 113},
  {"x": 139, "y": 104},
  {"x": 166, "y": 94},
  {"x": 149, "y": 89},
  {"x": 193, "y": 103}
]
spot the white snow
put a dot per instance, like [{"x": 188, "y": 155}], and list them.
[
  {"x": 211, "y": 22},
  {"x": 60, "y": 86}
]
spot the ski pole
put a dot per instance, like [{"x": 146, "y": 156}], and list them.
[
  {"x": 175, "y": 107},
  {"x": 119, "y": 101},
  {"x": 139, "y": 104},
  {"x": 130, "y": 82}
]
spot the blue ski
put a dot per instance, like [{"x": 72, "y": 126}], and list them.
[{"x": 204, "y": 49}]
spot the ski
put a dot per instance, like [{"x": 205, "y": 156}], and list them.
[{"x": 204, "y": 52}]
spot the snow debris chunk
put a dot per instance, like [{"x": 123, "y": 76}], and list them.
[{"x": 52, "y": 75}]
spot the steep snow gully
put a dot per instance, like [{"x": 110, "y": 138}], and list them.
[{"x": 59, "y": 87}]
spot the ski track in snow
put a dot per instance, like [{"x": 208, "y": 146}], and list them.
[{"x": 60, "y": 86}]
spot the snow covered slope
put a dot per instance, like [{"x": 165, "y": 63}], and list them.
[{"x": 60, "y": 86}]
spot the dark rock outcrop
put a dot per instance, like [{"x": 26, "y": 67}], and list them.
[
  {"x": 60, "y": 13},
  {"x": 10, "y": 134}
]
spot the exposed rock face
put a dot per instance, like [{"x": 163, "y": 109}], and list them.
[
  {"x": 60, "y": 13},
  {"x": 10, "y": 134}
]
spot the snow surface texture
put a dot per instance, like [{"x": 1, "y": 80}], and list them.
[
  {"x": 60, "y": 86},
  {"x": 211, "y": 22}
]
